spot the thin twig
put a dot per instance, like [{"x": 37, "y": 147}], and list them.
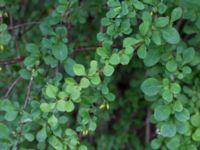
[
  {"x": 12, "y": 61},
  {"x": 28, "y": 93},
  {"x": 86, "y": 48},
  {"x": 75, "y": 50},
  {"x": 12, "y": 86},
  {"x": 148, "y": 127},
  {"x": 23, "y": 25}
]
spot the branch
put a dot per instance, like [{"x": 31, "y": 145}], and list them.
[
  {"x": 12, "y": 86},
  {"x": 89, "y": 48},
  {"x": 12, "y": 61},
  {"x": 148, "y": 127},
  {"x": 28, "y": 93},
  {"x": 76, "y": 50},
  {"x": 23, "y": 25},
  {"x": 86, "y": 48}
]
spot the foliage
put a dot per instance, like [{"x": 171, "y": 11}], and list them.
[{"x": 96, "y": 74}]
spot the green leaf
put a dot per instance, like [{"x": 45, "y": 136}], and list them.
[
  {"x": 93, "y": 68},
  {"x": 103, "y": 52},
  {"x": 171, "y": 66},
  {"x": 151, "y": 86},
  {"x": 55, "y": 143},
  {"x": 129, "y": 50},
  {"x": 11, "y": 115},
  {"x": 32, "y": 48},
  {"x": 142, "y": 52},
  {"x": 176, "y": 14},
  {"x": 156, "y": 37},
  {"x": 152, "y": 58},
  {"x": 53, "y": 121},
  {"x": 114, "y": 59},
  {"x": 183, "y": 127},
  {"x": 146, "y": 16},
  {"x": 70, "y": 81},
  {"x": 161, "y": 22},
  {"x": 173, "y": 143},
  {"x": 60, "y": 51},
  {"x": 45, "y": 107},
  {"x": 4, "y": 131},
  {"x": 129, "y": 42},
  {"x": 162, "y": 8},
  {"x": 51, "y": 91},
  {"x": 188, "y": 55},
  {"x": 30, "y": 61},
  {"x": 191, "y": 147},
  {"x": 167, "y": 95},
  {"x": 156, "y": 143},
  {"x": 46, "y": 29},
  {"x": 168, "y": 130},
  {"x": 75, "y": 93},
  {"x": 61, "y": 8},
  {"x": 138, "y": 5},
  {"x": 70, "y": 106},
  {"x": 68, "y": 66},
  {"x": 108, "y": 70},
  {"x": 41, "y": 135},
  {"x": 63, "y": 105},
  {"x": 162, "y": 112},
  {"x": 62, "y": 95},
  {"x": 170, "y": 35},
  {"x": 29, "y": 137},
  {"x": 95, "y": 79},
  {"x": 84, "y": 83},
  {"x": 25, "y": 74},
  {"x": 175, "y": 88},
  {"x": 79, "y": 70},
  {"x": 62, "y": 31},
  {"x": 106, "y": 21},
  {"x": 49, "y": 60},
  {"x": 186, "y": 70},
  {"x": 92, "y": 126},
  {"x": 3, "y": 27},
  {"x": 177, "y": 106},
  {"x": 195, "y": 120},
  {"x": 196, "y": 135},
  {"x": 144, "y": 28},
  {"x": 183, "y": 115},
  {"x": 112, "y": 13},
  {"x": 70, "y": 133},
  {"x": 110, "y": 97},
  {"x": 82, "y": 147},
  {"x": 124, "y": 60},
  {"x": 5, "y": 38}
]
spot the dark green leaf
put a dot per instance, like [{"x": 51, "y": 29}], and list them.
[
  {"x": 168, "y": 130},
  {"x": 151, "y": 86},
  {"x": 170, "y": 35}
]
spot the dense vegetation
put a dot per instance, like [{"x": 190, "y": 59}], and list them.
[{"x": 99, "y": 75}]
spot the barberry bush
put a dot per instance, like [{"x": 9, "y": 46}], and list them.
[{"x": 99, "y": 75}]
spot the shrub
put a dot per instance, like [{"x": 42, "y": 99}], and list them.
[{"x": 96, "y": 74}]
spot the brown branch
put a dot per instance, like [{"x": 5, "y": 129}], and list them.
[
  {"x": 11, "y": 61},
  {"x": 148, "y": 127},
  {"x": 76, "y": 50},
  {"x": 86, "y": 48},
  {"x": 12, "y": 86},
  {"x": 23, "y": 25},
  {"x": 28, "y": 93}
]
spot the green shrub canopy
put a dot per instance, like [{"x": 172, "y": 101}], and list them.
[{"x": 99, "y": 75}]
